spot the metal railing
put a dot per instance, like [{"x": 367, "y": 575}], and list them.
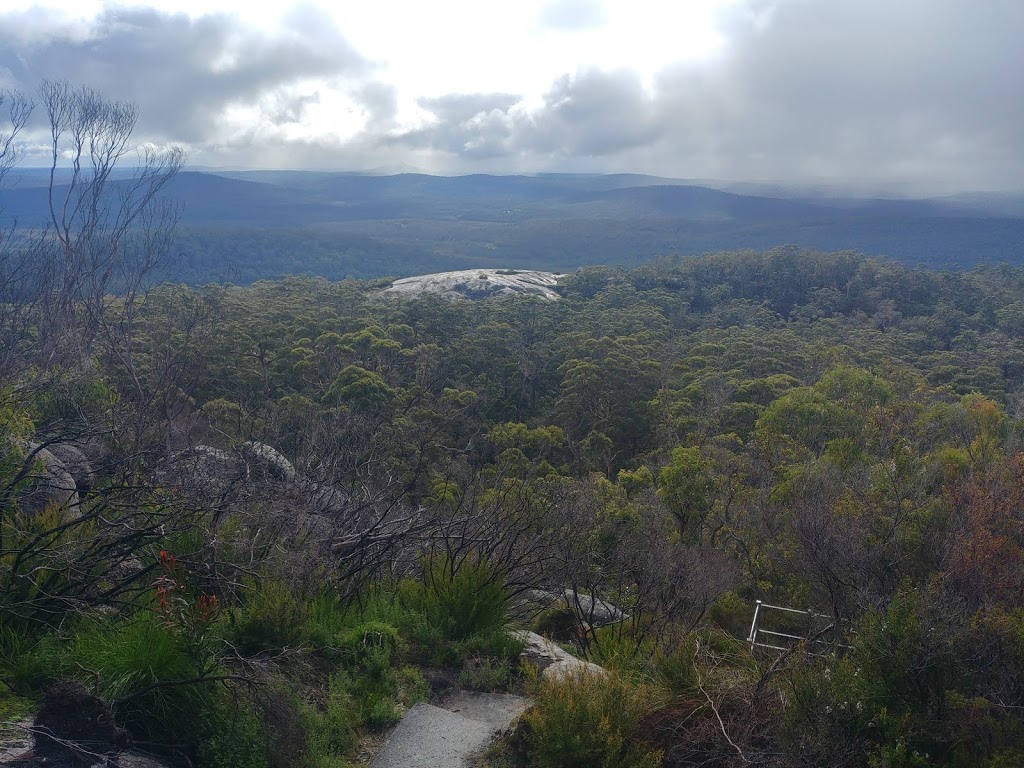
[{"x": 818, "y": 631}]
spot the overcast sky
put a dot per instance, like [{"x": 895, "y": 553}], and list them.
[{"x": 927, "y": 95}]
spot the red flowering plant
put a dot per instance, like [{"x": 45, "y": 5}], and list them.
[{"x": 182, "y": 611}]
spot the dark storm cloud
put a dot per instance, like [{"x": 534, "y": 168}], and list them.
[
  {"x": 581, "y": 114},
  {"x": 926, "y": 92},
  {"x": 912, "y": 89},
  {"x": 592, "y": 114},
  {"x": 181, "y": 72},
  {"x": 572, "y": 14}
]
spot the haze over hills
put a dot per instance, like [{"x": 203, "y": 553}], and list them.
[{"x": 240, "y": 226}]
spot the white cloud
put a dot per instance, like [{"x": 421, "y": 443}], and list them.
[
  {"x": 925, "y": 90},
  {"x": 573, "y": 14}
]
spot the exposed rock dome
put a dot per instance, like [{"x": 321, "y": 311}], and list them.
[{"x": 480, "y": 284}]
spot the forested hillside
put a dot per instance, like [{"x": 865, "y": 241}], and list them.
[
  {"x": 304, "y": 498},
  {"x": 242, "y": 227}
]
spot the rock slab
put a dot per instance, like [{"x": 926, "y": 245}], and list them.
[
  {"x": 432, "y": 737},
  {"x": 480, "y": 284},
  {"x": 587, "y": 609}
]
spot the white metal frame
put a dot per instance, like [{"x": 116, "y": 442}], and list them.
[{"x": 756, "y": 631}]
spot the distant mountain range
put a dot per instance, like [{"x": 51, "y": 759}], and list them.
[{"x": 248, "y": 225}]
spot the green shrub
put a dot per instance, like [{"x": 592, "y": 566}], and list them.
[
  {"x": 326, "y": 617},
  {"x": 373, "y": 689},
  {"x": 732, "y": 613},
  {"x": 676, "y": 670},
  {"x": 431, "y": 645},
  {"x": 331, "y": 730},
  {"x": 412, "y": 687},
  {"x": 369, "y": 647},
  {"x": 27, "y": 663},
  {"x": 126, "y": 658},
  {"x": 138, "y": 665},
  {"x": 41, "y": 570},
  {"x": 625, "y": 648},
  {"x": 231, "y": 738},
  {"x": 372, "y": 699},
  {"x": 270, "y": 617},
  {"x": 434, "y": 648},
  {"x": 380, "y": 711},
  {"x": 498, "y": 645},
  {"x": 589, "y": 721},
  {"x": 384, "y": 603},
  {"x": 831, "y": 713},
  {"x": 459, "y": 599},
  {"x": 489, "y": 674}
]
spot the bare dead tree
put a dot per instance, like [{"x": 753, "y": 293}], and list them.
[
  {"x": 18, "y": 108},
  {"x": 65, "y": 284},
  {"x": 109, "y": 230},
  {"x": 22, "y": 280}
]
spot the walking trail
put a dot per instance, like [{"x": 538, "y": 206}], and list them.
[{"x": 435, "y": 737}]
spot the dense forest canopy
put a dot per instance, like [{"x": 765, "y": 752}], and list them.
[
  {"x": 250, "y": 525},
  {"x": 811, "y": 429},
  {"x": 242, "y": 227}
]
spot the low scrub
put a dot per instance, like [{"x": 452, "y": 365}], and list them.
[
  {"x": 270, "y": 617},
  {"x": 458, "y": 599},
  {"x": 589, "y": 721},
  {"x": 163, "y": 692}
]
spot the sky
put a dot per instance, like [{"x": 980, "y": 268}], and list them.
[{"x": 922, "y": 96}]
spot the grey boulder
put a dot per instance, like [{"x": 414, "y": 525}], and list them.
[
  {"x": 266, "y": 459},
  {"x": 49, "y": 483},
  {"x": 554, "y": 663},
  {"x": 77, "y": 464},
  {"x": 587, "y": 609}
]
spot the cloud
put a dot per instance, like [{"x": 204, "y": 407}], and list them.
[
  {"x": 183, "y": 73},
  {"x": 591, "y": 114},
  {"x": 921, "y": 91},
  {"x": 380, "y": 101},
  {"x": 915, "y": 89},
  {"x": 469, "y": 125},
  {"x": 573, "y": 14},
  {"x": 283, "y": 108},
  {"x": 462, "y": 107}
]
